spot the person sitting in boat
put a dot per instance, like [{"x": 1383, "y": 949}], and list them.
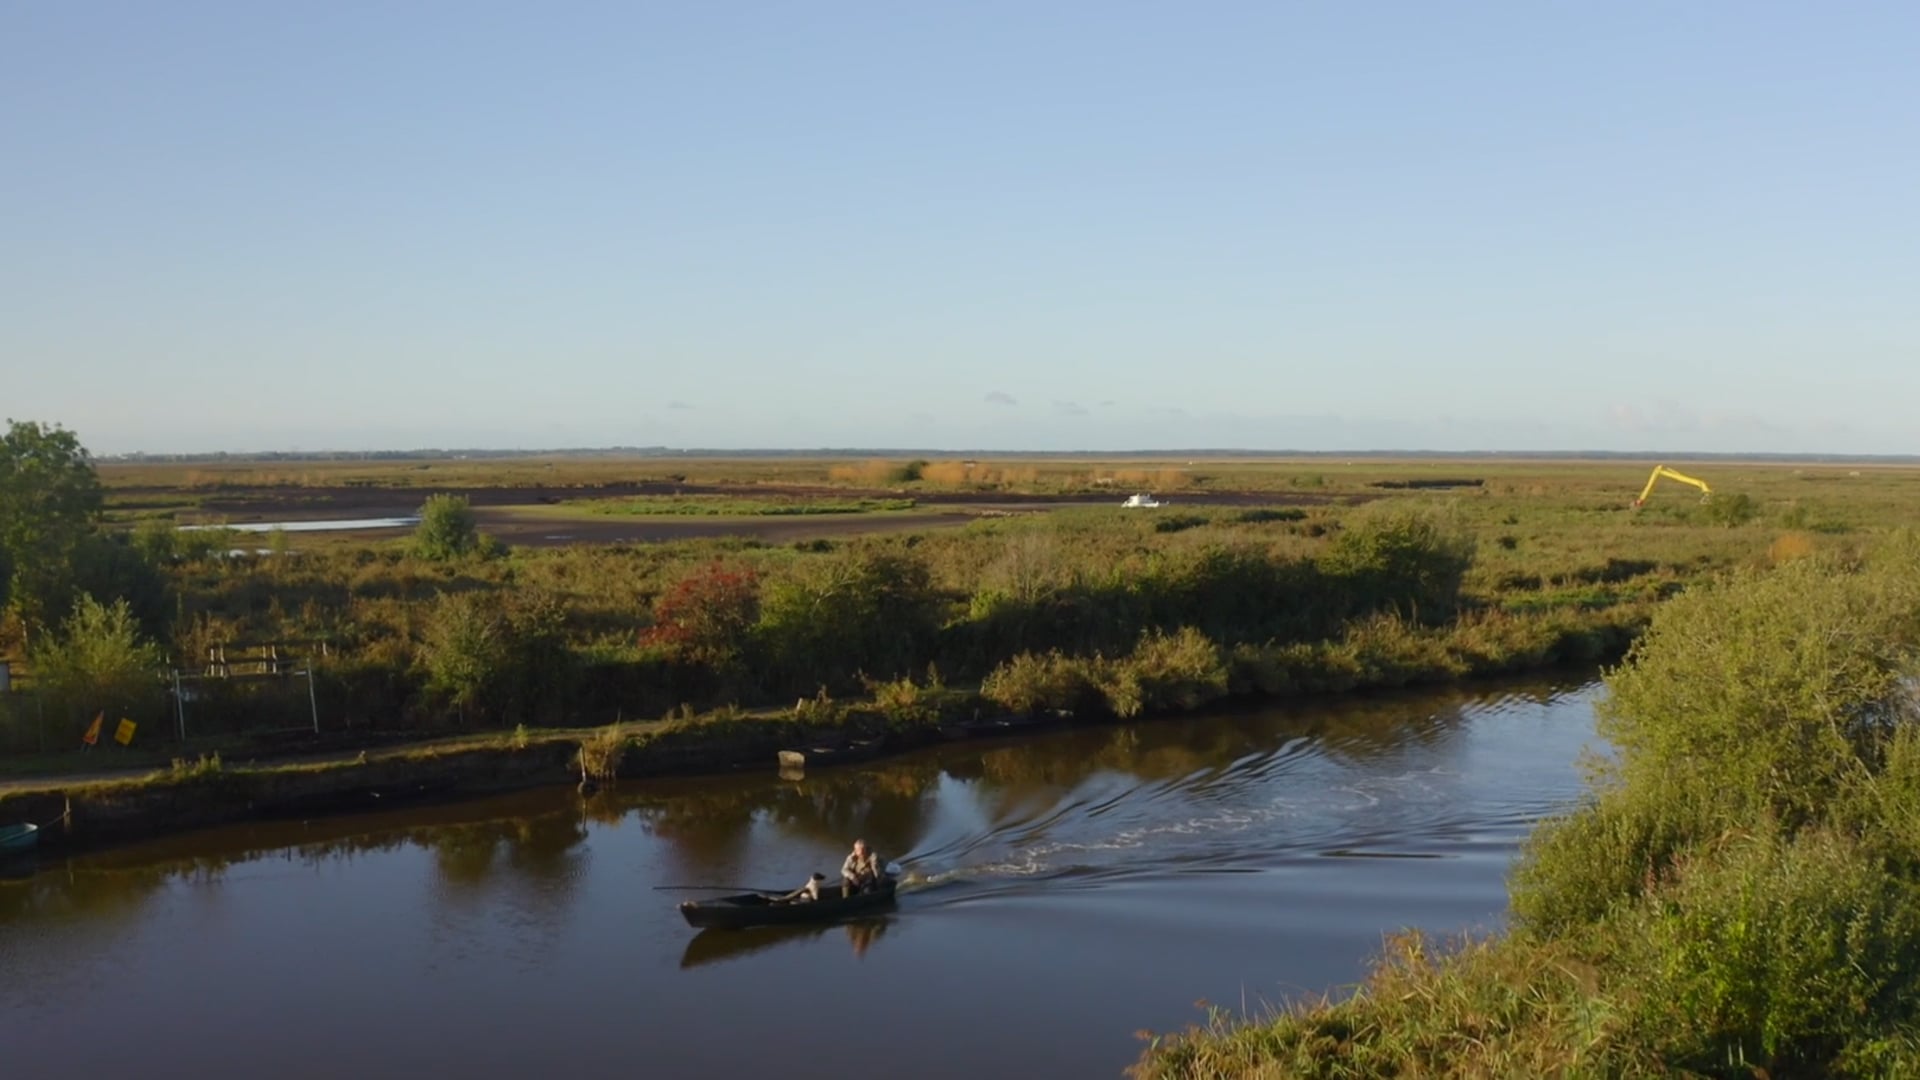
[
  {"x": 806, "y": 893},
  {"x": 861, "y": 871}
]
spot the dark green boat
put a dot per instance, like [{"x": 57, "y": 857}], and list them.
[
  {"x": 18, "y": 839},
  {"x": 770, "y": 909}
]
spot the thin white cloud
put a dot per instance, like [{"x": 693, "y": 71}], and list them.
[{"x": 1000, "y": 397}]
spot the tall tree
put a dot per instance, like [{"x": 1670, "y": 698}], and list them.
[{"x": 50, "y": 500}]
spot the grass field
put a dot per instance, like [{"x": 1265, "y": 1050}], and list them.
[{"x": 1008, "y": 556}]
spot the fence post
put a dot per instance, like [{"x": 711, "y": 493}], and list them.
[
  {"x": 179, "y": 707},
  {"x": 313, "y": 702}
]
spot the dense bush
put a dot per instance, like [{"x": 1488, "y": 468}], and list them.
[
  {"x": 1741, "y": 896},
  {"x": 1165, "y": 673},
  {"x": 872, "y": 612},
  {"x": 497, "y": 661},
  {"x": 1401, "y": 559},
  {"x": 1031, "y": 682},
  {"x": 1170, "y": 672},
  {"x": 708, "y": 616},
  {"x": 1729, "y": 510},
  {"x": 1783, "y": 950},
  {"x": 447, "y": 530},
  {"x": 98, "y": 661}
]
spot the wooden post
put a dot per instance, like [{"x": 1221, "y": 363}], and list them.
[
  {"x": 313, "y": 702},
  {"x": 179, "y": 707}
]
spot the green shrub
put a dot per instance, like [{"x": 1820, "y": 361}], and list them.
[
  {"x": 1729, "y": 510},
  {"x": 157, "y": 540},
  {"x": 909, "y": 704},
  {"x": 1387, "y": 650},
  {"x": 447, "y": 529},
  {"x": 1773, "y": 690},
  {"x": 873, "y": 611},
  {"x": 1776, "y": 953},
  {"x": 1401, "y": 558},
  {"x": 1578, "y": 867},
  {"x": 1165, "y": 672},
  {"x": 495, "y": 657},
  {"x": 1264, "y": 514},
  {"x": 1031, "y": 682},
  {"x": 99, "y": 662},
  {"x": 1485, "y": 1009}
]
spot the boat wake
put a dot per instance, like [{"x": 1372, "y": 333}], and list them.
[{"x": 1306, "y": 799}]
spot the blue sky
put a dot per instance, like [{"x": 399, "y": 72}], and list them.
[{"x": 1110, "y": 225}]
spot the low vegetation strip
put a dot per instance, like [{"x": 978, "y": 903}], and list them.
[
  {"x": 1739, "y": 896},
  {"x": 726, "y": 506}
]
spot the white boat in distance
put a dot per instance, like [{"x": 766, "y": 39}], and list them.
[{"x": 1142, "y": 500}]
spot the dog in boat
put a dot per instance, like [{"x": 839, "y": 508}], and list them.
[{"x": 806, "y": 893}]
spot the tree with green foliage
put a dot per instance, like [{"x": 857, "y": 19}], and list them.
[
  {"x": 98, "y": 660},
  {"x": 447, "y": 529},
  {"x": 497, "y": 657},
  {"x": 873, "y": 611},
  {"x": 50, "y": 500}
]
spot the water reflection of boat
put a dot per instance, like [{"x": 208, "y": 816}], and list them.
[
  {"x": 762, "y": 909},
  {"x": 716, "y": 945}
]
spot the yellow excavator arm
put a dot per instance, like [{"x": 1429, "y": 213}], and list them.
[{"x": 1660, "y": 471}]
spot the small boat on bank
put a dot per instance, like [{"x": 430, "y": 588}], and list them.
[
  {"x": 834, "y": 754},
  {"x": 769, "y": 909},
  {"x": 18, "y": 839}
]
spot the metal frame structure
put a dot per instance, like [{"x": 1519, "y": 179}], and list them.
[{"x": 240, "y": 661}]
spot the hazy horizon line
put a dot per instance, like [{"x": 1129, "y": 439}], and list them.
[{"x": 1212, "y": 453}]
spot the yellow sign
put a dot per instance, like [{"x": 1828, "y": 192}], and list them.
[
  {"x": 93, "y": 730},
  {"x": 124, "y": 733}
]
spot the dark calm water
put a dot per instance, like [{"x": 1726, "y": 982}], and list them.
[{"x": 1066, "y": 890}]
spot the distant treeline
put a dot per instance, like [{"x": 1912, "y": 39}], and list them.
[{"x": 1209, "y": 454}]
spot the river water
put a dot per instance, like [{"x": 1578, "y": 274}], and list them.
[{"x": 1064, "y": 891}]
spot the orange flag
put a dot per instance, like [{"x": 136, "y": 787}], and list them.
[{"x": 93, "y": 730}]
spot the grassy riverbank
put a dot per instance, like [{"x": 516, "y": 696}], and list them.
[
  {"x": 1165, "y": 675},
  {"x": 1389, "y": 574},
  {"x": 1740, "y": 896}
]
